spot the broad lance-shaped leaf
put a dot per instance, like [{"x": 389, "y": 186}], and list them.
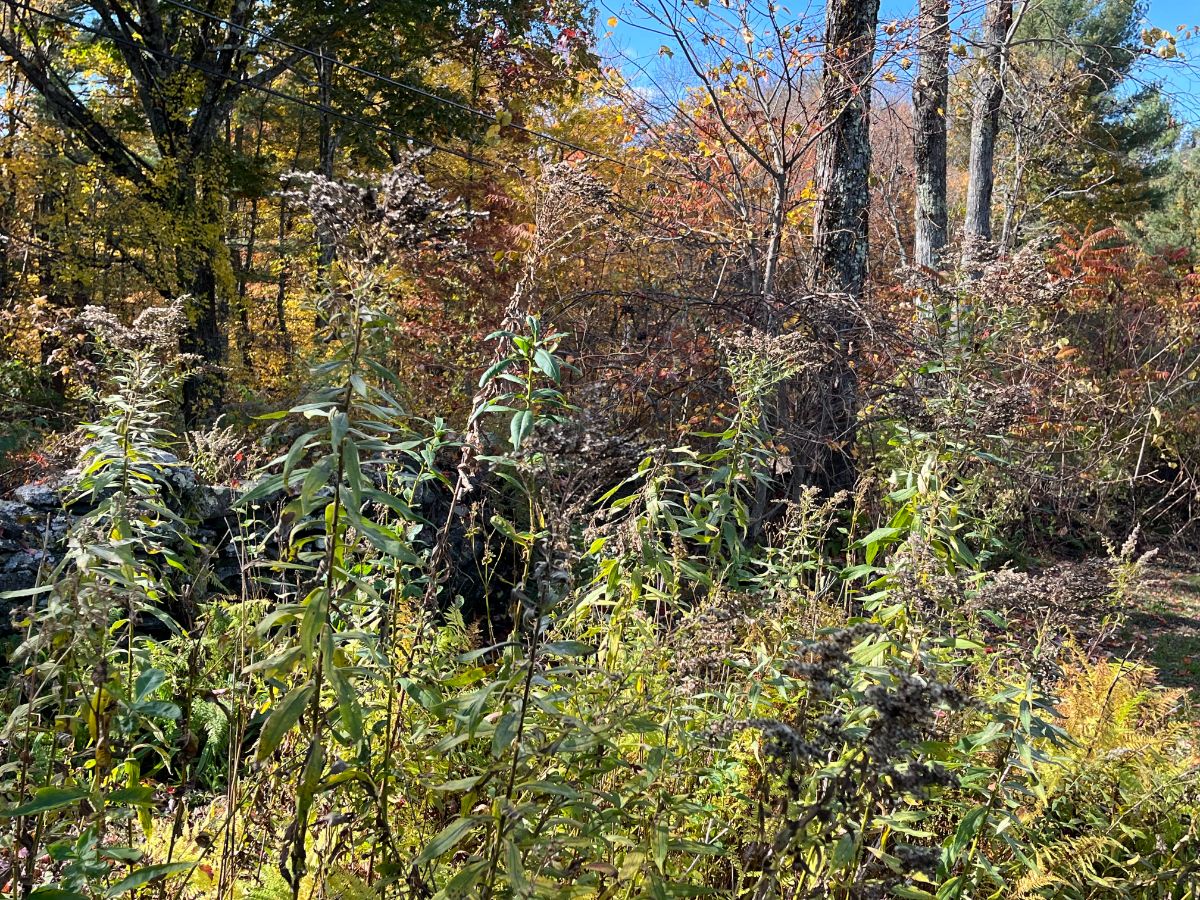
[
  {"x": 348, "y": 705},
  {"x": 148, "y": 681},
  {"x": 495, "y": 370},
  {"x": 339, "y": 424},
  {"x": 522, "y": 425},
  {"x": 44, "y": 800},
  {"x": 146, "y": 876},
  {"x": 547, "y": 363},
  {"x": 446, "y": 840},
  {"x": 568, "y": 648},
  {"x": 283, "y": 717},
  {"x": 316, "y": 610},
  {"x": 505, "y": 733},
  {"x": 353, "y": 467},
  {"x": 295, "y": 452}
]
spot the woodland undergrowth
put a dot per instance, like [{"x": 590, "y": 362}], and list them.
[{"x": 649, "y": 693}]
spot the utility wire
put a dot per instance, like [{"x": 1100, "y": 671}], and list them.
[
  {"x": 325, "y": 108},
  {"x": 430, "y": 95},
  {"x": 248, "y": 85},
  {"x": 394, "y": 82}
]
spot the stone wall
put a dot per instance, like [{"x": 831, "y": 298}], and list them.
[{"x": 36, "y": 518}]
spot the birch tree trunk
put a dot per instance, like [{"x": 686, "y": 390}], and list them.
[
  {"x": 985, "y": 122},
  {"x": 930, "y": 96}
]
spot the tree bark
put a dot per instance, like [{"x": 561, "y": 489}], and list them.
[
  {"x": 840, "y": 228},
  {"x": 844, "y": 151},
  {"x": 205, "y": 271},
  {"x": 327, "y": 251},
  {"x": 930, "y": 97},
  {"x": 985, "y": 123}
]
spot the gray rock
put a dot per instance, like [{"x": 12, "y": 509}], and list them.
[
  {"x": 181, "y": 477},
  {"x": 38, "y": 496},
  {"x": 26, "y": 560},
  {"x": 36, "y": 521},
  {"x": 22, "y": 580},
  {"x": 14, "y": 518},
  {"x": 211, "y": 501}
]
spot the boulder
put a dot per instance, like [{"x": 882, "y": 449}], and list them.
[{"x": 38, "y": 496}]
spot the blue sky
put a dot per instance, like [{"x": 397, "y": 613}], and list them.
[{"x": 1181, "y": 79}]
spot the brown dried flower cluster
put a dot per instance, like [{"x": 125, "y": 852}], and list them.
[
  {"x": 757, "y": 359},
  {"x": 713, "y": 640},
  {"x": 566, "y": 186},
  {"x": 86, "y": 339},
  {"x": 1067, "y": 601},
  {"x": 399, "y": 213},
  {"x": 920, "y": 580}
]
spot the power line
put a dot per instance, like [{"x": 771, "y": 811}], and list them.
[
  {"x": 251, "y": 86},
  {"x": 395, "y": 82},
  {"x": 324, "y": 108}
]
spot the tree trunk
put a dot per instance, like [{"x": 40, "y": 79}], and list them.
[
  {"x": 206, "y": 275},
  {"x": 327, "y": 251},
  {"x": 205, "y": 338},
  {"x": 768, "y": 317},
  {"x": 985, "y": 122},
  {"x": 840, "y": 227},
  {"x": 844, "y": 151},
  {"x": 930, "y": 97}
]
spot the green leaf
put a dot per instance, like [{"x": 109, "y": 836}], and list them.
[
  {"x": 547, "y": 363},
  {"x": 520, "y": 428},
  {"x": 967, "y": 829},
  {"x": 505, "y": 733},
  {"x": 131, "y": 796},
  {"x": 159, "y": 709},
  {"x": 27, "y": 592},
  {"x": 878, "y": 539},
  {"x": 278, "y": 664},
  {"x": 843, "y": 852},
  {"x": 495, "y": 370},
  {"x": 123, "y": 854},
  {"x": 515, "y": 869},
  {"x": 568, "y": 648},
  {"x": 264, "y": 488},
  {"x": 44, "y": 800},
  {"x": 338, "y": 426},
  {"x": 283, "y": 717},
  {"x": 294, "y": 454},
  {"x": 147, "y": 875},
  {"x": 314, "y": 479},
  {"x": 316, "y": 611},
  {"x": 447, "y": 839},
  {"x": 661, "y": 841},
  {"x": 354, "y": 475},
  {"x": 348, "y": 705},
  {"x": 463, "y": 884},
  {"x": 148, "y": 682},
  {"x": 465, "y": 678},
  {"x": 55, "y": 893}
]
